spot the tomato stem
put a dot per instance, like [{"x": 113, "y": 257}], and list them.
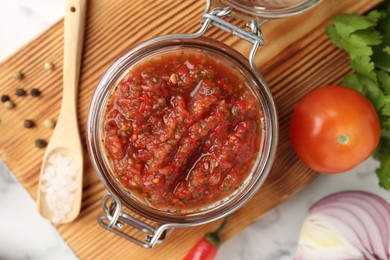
[{"x": 343, "y": 138}]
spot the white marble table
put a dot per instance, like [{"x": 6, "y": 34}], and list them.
[{"x": 25, "y": 235}]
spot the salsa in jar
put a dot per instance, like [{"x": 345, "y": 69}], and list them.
[{"x": 182, "y": 130}]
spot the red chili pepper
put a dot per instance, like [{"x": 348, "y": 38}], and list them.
[{"x": 207, "y": 247}]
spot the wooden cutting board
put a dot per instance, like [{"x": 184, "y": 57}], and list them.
[{"x": 297, "y": 58}]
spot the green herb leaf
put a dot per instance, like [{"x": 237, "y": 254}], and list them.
[
  {"x": 366, "y": 37},
  {"x": 383, "y": 172},
  {"x": 366, "y": 40},
  {"x": 352, "y": 81},
  {"x": 381, "y": 57},
  {"x": 334, "y": 36},
  {"x": 386, "y": 49},
  {"x": 386, "y": 110},
  {"x": 364, "y": 66},
  {"x": 346, "y": 24},
  {"x": 355, "y": 51},
  {"x": 375, "y": 15},
  {"x": 384, "y": 81}
]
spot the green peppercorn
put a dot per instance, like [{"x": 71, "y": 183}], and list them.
[
  {"x": 20, "y": 92},
  {"x": 28, "y": 123},
  {"x": 40, "y": 143},
  {"x": 35, "y": 92},
  {"x": 4, "y": 98}
]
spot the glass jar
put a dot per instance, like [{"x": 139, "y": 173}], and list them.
[{"x": 119, "y": 197}]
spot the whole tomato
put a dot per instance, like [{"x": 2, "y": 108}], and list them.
[{"x": 334, "y": 128}]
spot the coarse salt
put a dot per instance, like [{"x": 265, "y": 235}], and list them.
[{"x": 59, "y": 185}]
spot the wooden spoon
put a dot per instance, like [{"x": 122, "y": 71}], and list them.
[{"x": 66, "y": 137}]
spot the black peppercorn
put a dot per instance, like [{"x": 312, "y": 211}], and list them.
[
  {"x": 35, "y": 92},
  {"x": 20, "y": 92},
  {"x": 40, "y": 143},
  {"x": 28, "y": 123},
  {"x": 4, "y": 98}
]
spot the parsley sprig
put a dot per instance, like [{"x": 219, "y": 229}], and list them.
[{"x": 366, "y": 40}]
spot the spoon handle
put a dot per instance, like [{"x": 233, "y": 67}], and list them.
[
  {"x": 73, "y": 43},
  {"x": 65, "y": 140}
]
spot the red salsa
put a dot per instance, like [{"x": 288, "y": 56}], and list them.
[{"x": 182, "y": 130}]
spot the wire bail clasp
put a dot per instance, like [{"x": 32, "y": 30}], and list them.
[
  {"x": 253, "y": 36},
  {"x": 115, "y": 220}
]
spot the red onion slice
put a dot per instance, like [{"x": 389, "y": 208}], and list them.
[
  {"x": 354, "y": 225},
  {"x": 362, "y": 221}
]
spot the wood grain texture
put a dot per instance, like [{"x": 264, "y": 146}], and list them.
[{"x": 297, "y": 58}]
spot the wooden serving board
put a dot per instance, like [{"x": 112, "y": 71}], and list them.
[{"x": 297, "y": 58}]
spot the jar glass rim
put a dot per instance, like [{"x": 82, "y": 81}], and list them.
[
  {"x": 268, "y": 9},
  {"x": 97, "y": 108}
]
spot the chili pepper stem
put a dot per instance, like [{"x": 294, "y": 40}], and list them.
[{"x": 214, "y": 237}]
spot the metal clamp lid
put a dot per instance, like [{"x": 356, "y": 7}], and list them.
[
  {"x": 115, "y": 221},
  {"x": 254, "y": 35}
]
